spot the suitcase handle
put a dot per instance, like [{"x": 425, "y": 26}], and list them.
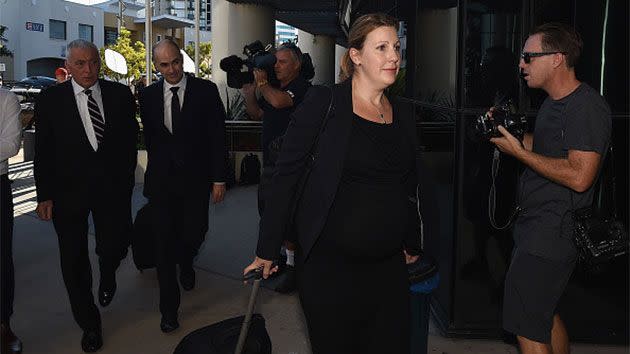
[{"x": 256, "y": 274}]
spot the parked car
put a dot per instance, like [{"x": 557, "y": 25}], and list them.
[{"x": 40, "y": 82}]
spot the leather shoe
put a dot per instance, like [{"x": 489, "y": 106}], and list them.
[
  {"x": 169, "y": 324},
  {"x": 106, "y": 293},
  {"x": 11, "y": 344},
  {"x": 91, "y": 341},
  {"x": 187, "y": 277}
]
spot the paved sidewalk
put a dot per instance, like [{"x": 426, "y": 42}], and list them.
[{"x": 44, "y": 322}]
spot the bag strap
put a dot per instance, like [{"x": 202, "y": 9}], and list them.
[{"x": 311, "y": 153}]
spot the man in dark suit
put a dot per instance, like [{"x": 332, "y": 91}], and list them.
[
  {"x": 184, "y": 128},
  {"x": 85, "y": 157}
]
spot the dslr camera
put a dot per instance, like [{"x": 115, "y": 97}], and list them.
[
  {"x": 257, "y": 57},
  {"x": 505, "y": 115}
]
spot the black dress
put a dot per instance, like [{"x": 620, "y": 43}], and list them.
[{"x": 353, "y": 286}]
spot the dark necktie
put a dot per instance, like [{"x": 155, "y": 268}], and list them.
[
  {"x": 95, "y": 115},
  {"x": 175, "y": 110}
]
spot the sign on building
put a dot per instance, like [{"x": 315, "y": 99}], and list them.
[{"x": 34, "y": 26}]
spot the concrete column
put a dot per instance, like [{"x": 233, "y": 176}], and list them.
[
  {"x": 234, "y": 26},
  {"x": 339, "y": 52},
  {"x": 322, "y": 51}
]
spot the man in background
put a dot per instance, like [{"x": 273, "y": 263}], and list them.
[{"x": 184, "y": 128}]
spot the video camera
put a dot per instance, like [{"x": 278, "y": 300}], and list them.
[
  {"x": 505, "y": 115},
  {"x": 258, "y": 57}
]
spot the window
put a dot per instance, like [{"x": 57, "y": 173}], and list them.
[
  {"x": 111, "y": 35},
  {"x": 86, "y": 32},
  {"x": 492, "y": 34},
  {"x": 57, "y": 29}
]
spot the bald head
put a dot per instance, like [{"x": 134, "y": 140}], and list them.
[{"x": 168, "y": 60}]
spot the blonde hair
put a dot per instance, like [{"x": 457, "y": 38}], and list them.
[{"x": 356, "y": 38}]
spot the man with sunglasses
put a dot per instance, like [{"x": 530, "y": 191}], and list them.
[
  {"x": 276, "y": 103},
  {"x": 562, "y": 160}
]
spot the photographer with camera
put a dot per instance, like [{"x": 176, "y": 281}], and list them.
[
  {"x": 274, "y": 107},
  {"x": 562, "y": 160}
]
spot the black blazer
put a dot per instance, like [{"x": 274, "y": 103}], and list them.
[
  {"x": 195, "y": 154},
  {"x": 320, "y": 188},
  {"x": 64, "y": 159}
]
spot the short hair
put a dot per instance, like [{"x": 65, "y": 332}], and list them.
[
  {"x": 357, "y": 35},
  {"x": 82, "y": 44},
  {"x": 165, "y": 41},
  {"x": 296, "y": 53},
  {"x": 559, "y": 37}
]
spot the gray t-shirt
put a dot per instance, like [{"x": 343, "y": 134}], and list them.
[{"x": 579, "y": 121}]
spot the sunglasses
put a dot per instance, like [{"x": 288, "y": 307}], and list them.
[{"x": 527, "y": 56}]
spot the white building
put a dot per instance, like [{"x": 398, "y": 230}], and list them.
[
  {"x": 38, "y": 32},
  {"x": 285, "y": 33}
]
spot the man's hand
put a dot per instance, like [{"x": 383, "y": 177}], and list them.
[
  {"x": 265, "y": 264},
  {"x": 508, "y": 143},
  {"x": 44, "y": 210},
  {"x": 218, "y": 192},
  {"x": 260, "y": 75}
]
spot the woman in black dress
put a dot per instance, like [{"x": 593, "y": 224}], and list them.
[{"x": 355, "y": 223}]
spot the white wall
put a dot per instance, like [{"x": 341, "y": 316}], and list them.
[{"x": 28, "y": 45}]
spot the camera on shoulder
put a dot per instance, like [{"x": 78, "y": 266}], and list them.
[{"x": 257, "y": 57}]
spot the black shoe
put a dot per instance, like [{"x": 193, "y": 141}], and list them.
[
  {"x": 10, "y": 342},
  {"x": 91, "y": 341},
  {"x": 187, "y": 277},
  {"x": 287, "y": 280},
  {"x": 169, "y": 324},
  {"x": 107, "y": 286},
  {"x": 106, "y": 293}
]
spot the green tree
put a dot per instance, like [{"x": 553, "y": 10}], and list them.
[
  {"x": 133, "y": 54},
  {"x": 4, "y": 52},
  {"x": 205, "y": 58}
]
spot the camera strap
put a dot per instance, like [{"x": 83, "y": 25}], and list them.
[{"x": 492, "y": 195}]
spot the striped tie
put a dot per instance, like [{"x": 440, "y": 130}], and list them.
[{"x": 97, "y": 119}]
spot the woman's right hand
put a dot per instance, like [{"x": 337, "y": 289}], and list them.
[{"x": 265, "y": 264}]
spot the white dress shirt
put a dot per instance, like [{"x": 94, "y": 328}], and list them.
[
  {"x": 168, "y": 96},
  {"x": 10, "y": 128},
  {"x": 82, "y": 105}
]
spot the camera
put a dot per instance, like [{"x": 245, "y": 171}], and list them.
[
  {"x": 505, "y": 115},
  {"x": 257, "y": 57}
]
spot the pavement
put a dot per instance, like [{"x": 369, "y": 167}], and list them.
[{"x": 43, "y": 320}]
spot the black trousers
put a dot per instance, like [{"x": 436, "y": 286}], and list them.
[
  {"x": 180, "y": 221},
  {"x": 111, "y": 212},
  {"x": 7, "y": 279}
]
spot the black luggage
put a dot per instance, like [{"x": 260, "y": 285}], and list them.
[
  {"x": 143, "y": 240},
  {"x": 241, "y": 335}
]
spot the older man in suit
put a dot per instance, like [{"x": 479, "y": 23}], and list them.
[
  {"x": 85, "y": 157},
  {"x": 184, "y": 128}
]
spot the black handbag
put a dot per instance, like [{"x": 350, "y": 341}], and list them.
[{"x": 599, "y": 236}]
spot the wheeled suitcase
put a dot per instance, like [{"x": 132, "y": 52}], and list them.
[
  {"x": 143, "y": 240},
  {"x": 241, "y": 335}
]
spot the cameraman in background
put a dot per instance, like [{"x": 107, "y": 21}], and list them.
[
  {"x": 274, "y": 107},
  {"x": 562, "y": 160}
]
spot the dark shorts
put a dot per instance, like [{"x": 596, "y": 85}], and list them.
[{"x": 533, "y": 287}]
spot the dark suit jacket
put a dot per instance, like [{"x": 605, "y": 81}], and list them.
[
  {"x": 195, "y": 154},
  {"x": 65, "y": 163},
  {"x": 320, "y": 188}
]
